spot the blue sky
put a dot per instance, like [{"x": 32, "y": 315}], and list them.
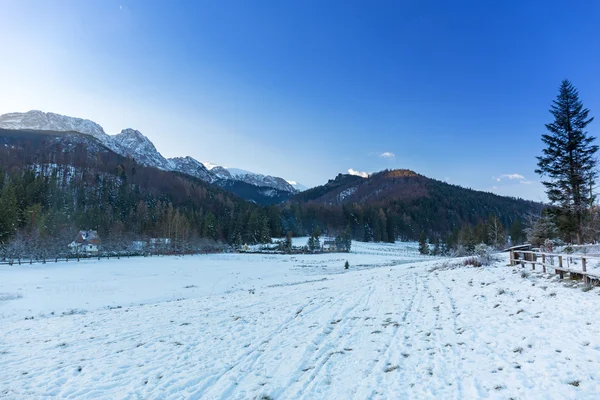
[{"x": 457, "y": 91}]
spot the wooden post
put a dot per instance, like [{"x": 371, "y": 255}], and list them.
[
  {"x": 560, "y": 265},
  {"x": 544, "y": 263},
  {"x": 584, "y": 267},
  {"x": 512, "y": 258}
]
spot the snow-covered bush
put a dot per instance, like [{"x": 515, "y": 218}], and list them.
[
  {"x": 484, "y": 253},
  {"x": 459, "y": 251},
  {"x": 472, "y": 261}
]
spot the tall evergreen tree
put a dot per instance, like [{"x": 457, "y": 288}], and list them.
[
  {"x": 423, "y": 247},
  {"x": 568, "y": 160}
]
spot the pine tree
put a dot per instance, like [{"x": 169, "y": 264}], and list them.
[
  {"x": 423, "y": 247},
  {"x": 311, "y": 243},
  {"x": 516, "y": 233},
  {"x": 541, "y": 229},
  {"x": 9, "y": 212},
  {"x": 568, "y": 160}
]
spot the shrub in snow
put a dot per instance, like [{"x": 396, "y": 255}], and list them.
[
  {"x": 484, "y": 253},
  {"x": 347, "y": 265},
  {"x": 472, "y": 261},
  {"x": 459, "y": 251}
]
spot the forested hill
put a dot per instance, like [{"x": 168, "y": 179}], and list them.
[
  {"x": 399, "y": 203},
  {"x": 53, "y": 183}
]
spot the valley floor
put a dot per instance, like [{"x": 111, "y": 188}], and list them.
[{"x": 395, "y": 325}]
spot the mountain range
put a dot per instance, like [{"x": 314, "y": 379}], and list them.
[
  {"x": 124, "y": 169},
  {"x": 131, "y": 143}
]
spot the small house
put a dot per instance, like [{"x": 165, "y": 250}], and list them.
[
  {"x": 86, "y": 242},
  {"x": 138, "y": 245},
  {"x": 159, "y": 243},
  {"x": 329, "y": 245}
]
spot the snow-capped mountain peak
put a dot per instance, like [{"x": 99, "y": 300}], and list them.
[
  {"x": 132, "y": 143},
  {"x": 42, "y": 121},
  {"x": 191, "y": 166},
  {"x": 298, "y": 186},
  {"x": 137, "y": 146},
  {"x": 209, "y": 166},
  {"x": 221, "y": 173}
]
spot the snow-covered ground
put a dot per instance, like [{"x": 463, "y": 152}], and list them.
[{"x": 246, "y": 326}]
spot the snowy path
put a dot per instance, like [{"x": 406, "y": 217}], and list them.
[{"x": 390, "y": 332}]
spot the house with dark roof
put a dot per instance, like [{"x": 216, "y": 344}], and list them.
[{"x": 86, "y": 242}]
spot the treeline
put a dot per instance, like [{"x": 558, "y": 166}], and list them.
[
  {"x": 459, "y": 242},
  {"x": 43, "y": 207},
  {"x": 441, "y": 212}
]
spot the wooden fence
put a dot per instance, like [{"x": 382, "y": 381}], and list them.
[
  {"x": 76, "y": 257},
  {"x": 573, "y": 264}
]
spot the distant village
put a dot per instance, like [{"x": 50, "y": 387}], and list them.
[{"x": 88, "y": 243}]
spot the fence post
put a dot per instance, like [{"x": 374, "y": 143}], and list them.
[
  {"x": 544, "y": 263},
  {"x": 560, "y": 265},
  {"x": 512, "y": 258},
  {"x": 584, "y": 267}
]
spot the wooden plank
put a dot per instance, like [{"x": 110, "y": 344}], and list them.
[{"x": 544, "y": 262}]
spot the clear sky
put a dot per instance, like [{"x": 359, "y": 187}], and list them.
[{"x": 454, "y": 90}]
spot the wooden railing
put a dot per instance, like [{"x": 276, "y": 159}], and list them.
[
  {"x": 114, "y": 256},
  {"x": 560, "y": 263}
]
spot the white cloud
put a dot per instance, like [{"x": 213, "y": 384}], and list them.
[
  {"x": 358, "y": 173},
  {"x": 388, "y": 155},
  {"x": 509, "y": 176}
]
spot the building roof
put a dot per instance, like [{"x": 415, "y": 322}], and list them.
[{"x": 525, "y": 246}]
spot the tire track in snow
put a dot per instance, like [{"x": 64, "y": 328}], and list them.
[
  {"x": 245, "y": 363},
  {"x": 391, "y": 344},
  {"x": 324, "y": 349}
]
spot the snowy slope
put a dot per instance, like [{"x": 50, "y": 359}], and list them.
[
  {"x": 191, "y": 166},
  {"x": 261, "y": 180},
  {"x": 134, "y": 144},
  {"x": 38, "y": 120},
  {"x": 394, "y": 326},
  {"x": 298, "y": 186}
]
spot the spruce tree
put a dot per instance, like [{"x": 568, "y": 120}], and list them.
[
  {"x": 423, "y": 247},
  {"x": 568, "y": 160},
  {"x": 516, "y": 233}
]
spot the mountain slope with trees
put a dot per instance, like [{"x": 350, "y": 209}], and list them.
[
  {"x": 52, "y": 184},
  {"x": 402, "y": 204}
]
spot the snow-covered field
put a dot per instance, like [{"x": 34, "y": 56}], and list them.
[{"x": 246, "y": 326}]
